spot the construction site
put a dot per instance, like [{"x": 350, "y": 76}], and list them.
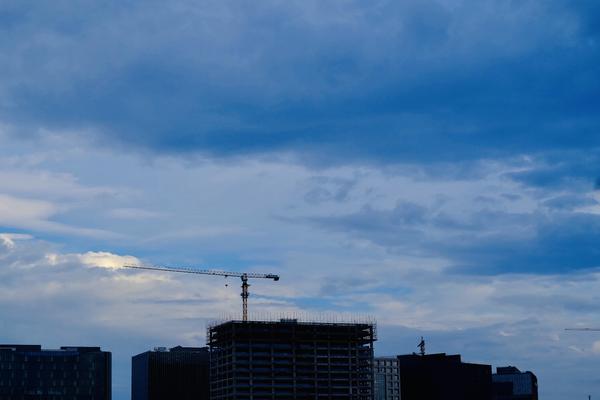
[
  {"x": 285, "y": 358},
  {"x": 291, "y": 360},
  {"x": 288, "y": 357}
]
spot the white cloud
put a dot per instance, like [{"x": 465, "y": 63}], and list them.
[
  {"x": 252, "y": 215},
  {"x": 107, "y": 260},
  {"x": 13, "y": 209},
  {"x": 34, "y": 200},
  {"x": 8, "y": 239},
  {"x": 36, "y": 215},
  {"x": 58, "y": 186},
  {"x": 591, "y": 209}
]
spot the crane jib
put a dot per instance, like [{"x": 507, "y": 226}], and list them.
[
  {"x": 206, "y": 272},
  {"x": 243, "y": 275}
]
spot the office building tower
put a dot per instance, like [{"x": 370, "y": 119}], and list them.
[
  {"x": 443, "y": 377},
  {"x": 179, "y": 373},
  {"x": 288, "y": 359},
  {"x": 387, "y": 378},
  {"x": 69, "y": 373},
  {"x": 511, "y": 384}
]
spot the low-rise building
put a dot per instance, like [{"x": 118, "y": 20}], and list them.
[
  {"x": 387, "y": 378},
  {"x": 431, "y": 377},
  {"x": 511, "y": 384},
  {"x": 68, "y": 373},
  {"x": 178, "y": 373}
]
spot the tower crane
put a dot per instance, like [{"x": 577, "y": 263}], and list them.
[{"x": 244, "y": 276}]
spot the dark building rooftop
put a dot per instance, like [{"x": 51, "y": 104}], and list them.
[
  {"x": 509, "y": 383},
  {"x": 70, "y": 372},
  {"x": 179, "y": 373},
  {"x": 442, "y": 376}
]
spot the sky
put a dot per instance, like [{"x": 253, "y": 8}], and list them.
[{"x": 432, "y": 164}]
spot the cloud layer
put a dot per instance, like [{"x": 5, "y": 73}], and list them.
[
  {"x": 416, "y": 80},
  {"x": 479, "y": 259},
  {"x": 434, "y": 163},
  {"x": 516, "y": 319}
]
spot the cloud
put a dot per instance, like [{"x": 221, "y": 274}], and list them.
[
  {"x": 517, "y": 319},
  {"x": 14, "y": 209},
  {"x": 35, "y": 197},
  {"x": 329, "y": 189},
  {"x": 107, "y": 260},
  {"x": 416, "y": 80},
  {"x": 576, "y": 169},
  {"x": 432, "y": 163},
  {"x": 35, "y": 215},
  {"x": 487, "y": 223},
  {"x": 59, "y": 186},
  {"x": 8, "y": 239},
  {"x": 133, "y": 213},
  {"x": 42, "y": 291}
]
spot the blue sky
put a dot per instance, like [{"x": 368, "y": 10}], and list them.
[{"x": 435, "y": 164}]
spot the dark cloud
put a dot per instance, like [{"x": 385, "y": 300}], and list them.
[
  {"x": 569, "y": 201},
  {"x": 400, "y": 227},
  {"x": 562, "y": 168},
  {"x": 551, "y": 303},
  {"x": 416, "y": 80},
  {"x": 485, "y": 242},
  {"x": 329, "y": 189}
]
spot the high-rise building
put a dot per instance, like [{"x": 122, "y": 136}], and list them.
[
  {"x": 511, "y": 384},
  {"x": 387, "y": 378},
  {"x": 69, "y": 373},
  {"x": 288, "y": 359},
  {"x": 179, "y": 373},
  {"x": 443, "y": 377}
]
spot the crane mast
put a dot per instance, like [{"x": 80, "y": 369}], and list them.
[{"x": 244, "y": 276}]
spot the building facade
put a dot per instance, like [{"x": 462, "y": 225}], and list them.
[
  {"x": 443, "y": 377},
  {"x": 179, "y": 373},
  {"x": 29, "y": 372},
  {"x": 512, "y": 384},
  {"x": 288, "y": 359},
  {"x": 387, "y": 378}
]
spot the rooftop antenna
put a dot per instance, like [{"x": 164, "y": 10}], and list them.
[{"x": 421, "y": 346}]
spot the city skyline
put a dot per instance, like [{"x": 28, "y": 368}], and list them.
[{"x": 434, "y": 164}]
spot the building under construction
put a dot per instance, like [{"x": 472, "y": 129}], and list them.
[{"x": 288, "y": 359}]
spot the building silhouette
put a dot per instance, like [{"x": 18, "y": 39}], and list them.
[
  {"x": 180, "y": 373},
  {"x": 69, "y": 373},
  {"x": 511, "y": 384},
  {"x": 387, "y": 378},
  {"x": 431, "y": 377},
  {"x": 288, "y": 359}
]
